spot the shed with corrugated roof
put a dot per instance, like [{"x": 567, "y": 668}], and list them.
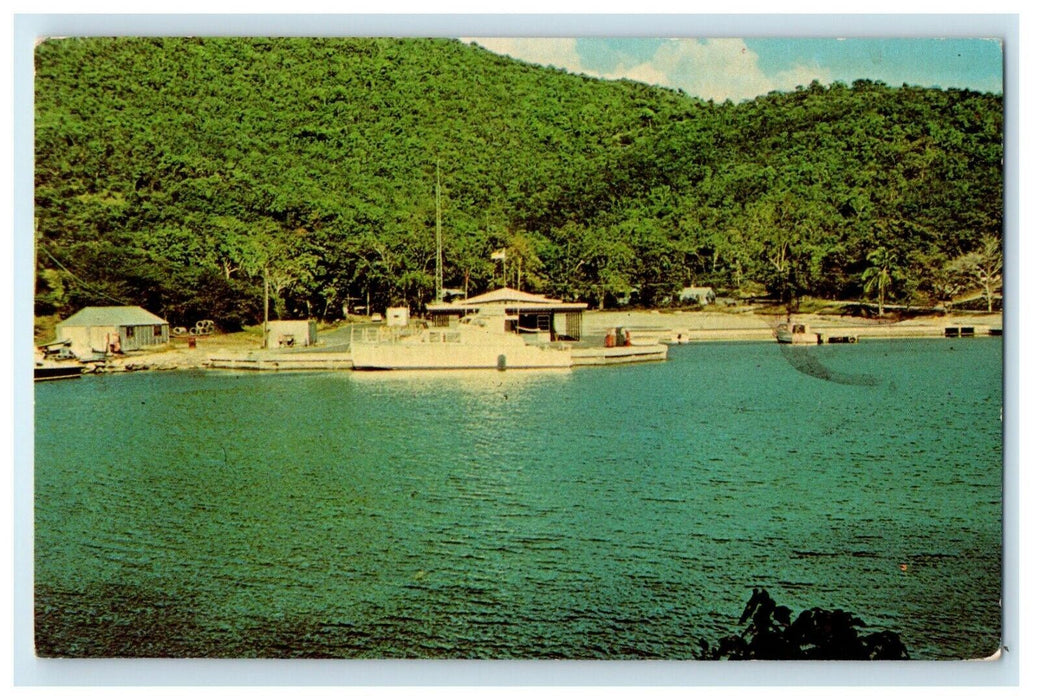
[{"x": 106, "y": 329}]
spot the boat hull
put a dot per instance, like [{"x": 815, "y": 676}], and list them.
[
  {"x": 797, "y": 334},
  {"x": 413, "y": 356},
  {"x": 799, "y": 338},
  {"x": 55, "y": 372}
]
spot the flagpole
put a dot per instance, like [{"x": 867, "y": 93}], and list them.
[{"x": 501, "y": 255}]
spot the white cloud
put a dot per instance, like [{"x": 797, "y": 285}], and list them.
[
  {"x": 561, "y": 53},
  {"x": 717, "y": 69}
]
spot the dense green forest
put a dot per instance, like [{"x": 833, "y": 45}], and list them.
[{"x": 180, "y": 174}]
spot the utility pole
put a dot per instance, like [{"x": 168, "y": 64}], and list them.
[
  {"x": 440, "y": 263},
  {"x": 265, "y": 307}
]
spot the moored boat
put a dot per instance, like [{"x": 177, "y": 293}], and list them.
[
  {"x": 469, "y": 345},
  {"x": 49, "y": 371},
  {"x": 796, "y": 334}
]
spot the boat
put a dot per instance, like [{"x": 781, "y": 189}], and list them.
[
  {"x": 48, "y": 371},
  {"x": 793, "y": 333},
  {"x": 471, "y": 344},
  {"x": 503, "y": 329},
  {"x": 56, "y": 361}
]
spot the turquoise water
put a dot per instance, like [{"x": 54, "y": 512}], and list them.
[{"x": 597, "y": 513}]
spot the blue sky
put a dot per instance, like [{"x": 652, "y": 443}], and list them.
[{"x": 740, "y": 69}]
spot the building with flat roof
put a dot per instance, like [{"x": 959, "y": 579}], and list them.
[{"x": 289, "y": 334}]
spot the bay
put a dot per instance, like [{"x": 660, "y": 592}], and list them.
[{"x": 621, "y": 512}]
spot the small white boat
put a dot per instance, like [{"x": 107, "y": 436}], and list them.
[{"x": 796, "y": 334}]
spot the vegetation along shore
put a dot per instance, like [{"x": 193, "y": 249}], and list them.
[{"x": 188, "y": 175}]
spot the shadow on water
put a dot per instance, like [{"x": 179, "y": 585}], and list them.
[{"x": 804, "y": 360}]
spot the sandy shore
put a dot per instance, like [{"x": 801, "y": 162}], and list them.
[{"x": 242, "y": 350}]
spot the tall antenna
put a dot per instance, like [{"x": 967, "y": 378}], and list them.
[{"x": 440, "y": 263}]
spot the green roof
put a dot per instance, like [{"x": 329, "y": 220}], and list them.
[{"x": 112, "y": 316}]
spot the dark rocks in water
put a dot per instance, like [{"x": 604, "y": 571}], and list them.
[{"x": 815, "y": 635}]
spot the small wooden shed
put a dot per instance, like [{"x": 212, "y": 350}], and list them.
[{"x": 104, "y": 329}]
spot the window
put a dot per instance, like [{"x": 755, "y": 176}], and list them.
[
  {"x": 129, "y": 331},
  {"x": 157, "y": 331}
]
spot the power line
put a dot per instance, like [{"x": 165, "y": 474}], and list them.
[{"x": 81, "y": 282}]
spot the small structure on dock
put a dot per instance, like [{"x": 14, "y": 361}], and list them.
[
  {"x": 397, "y": 316},
  {"x": 102, "y": 330},
  {"x": 292, "y": 334}
]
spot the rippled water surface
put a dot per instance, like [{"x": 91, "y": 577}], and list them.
[{"x": 597, "y": 513}]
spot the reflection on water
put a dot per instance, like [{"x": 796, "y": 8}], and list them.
[
  {"x": 597, "y": 513},
  {"x": 476, "y": 381}
]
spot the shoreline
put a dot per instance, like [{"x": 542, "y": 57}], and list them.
[
  {"x": 240, "y": 351},
  {"x": 708, "y": 326}
]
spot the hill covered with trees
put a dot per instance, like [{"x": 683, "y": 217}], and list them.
[{"x": 180, "y": 173}]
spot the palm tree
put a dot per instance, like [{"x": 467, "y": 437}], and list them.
[{"x": 880, "y": 274}]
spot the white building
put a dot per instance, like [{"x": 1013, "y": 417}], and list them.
[{"x": 292, "y": 334}]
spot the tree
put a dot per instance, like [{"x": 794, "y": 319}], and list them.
[
  {"x": 880, "y": 274},
  {"x": 160, "y": 161},
  {"x": 983, "y": 268}
]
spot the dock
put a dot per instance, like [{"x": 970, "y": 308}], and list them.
[
  {"x": 588, "y": 356},
  {"x": 831, "y": 334},
  {"x": 283, "y": 362}
]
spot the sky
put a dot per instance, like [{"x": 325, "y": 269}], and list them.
[{"x": 741, "y": 69}]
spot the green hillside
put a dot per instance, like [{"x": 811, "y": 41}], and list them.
[{"x": 179, "y": 173}]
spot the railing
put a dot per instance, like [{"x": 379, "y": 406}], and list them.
[{"x": 387, "y": 335}]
